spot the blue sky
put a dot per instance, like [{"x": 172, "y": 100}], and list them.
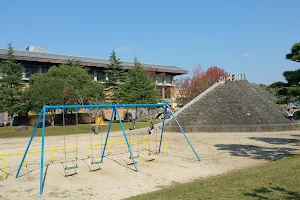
[{"x": 249, "y": 37}]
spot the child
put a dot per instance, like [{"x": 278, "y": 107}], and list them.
[{"x": 151, "y": 129}]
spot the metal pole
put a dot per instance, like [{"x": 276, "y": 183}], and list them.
[
  {"x": 104, "y": 106},
  {"x": 42, "y": 152},
  {"x": 162, "y": 130},
  {"x": 125, "y": 136},
  {"x": 108, "y": 131},
  {"x": 184, "y": 134},
  {"x": 29, "y": 143}
]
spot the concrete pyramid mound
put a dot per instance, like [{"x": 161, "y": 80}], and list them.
[{"x": 234, "y": 106}]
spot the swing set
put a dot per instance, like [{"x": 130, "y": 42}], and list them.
[{"x": 104, "y": 145}]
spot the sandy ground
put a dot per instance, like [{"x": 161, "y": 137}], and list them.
[{"x": 219, "y": 152}]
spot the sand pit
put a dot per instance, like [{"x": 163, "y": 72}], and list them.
[{"x": 219, "y": 152}]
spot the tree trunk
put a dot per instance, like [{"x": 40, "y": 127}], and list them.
[
  {"x": 96, "y": 125},
  {"x": 52, "y": 118}
]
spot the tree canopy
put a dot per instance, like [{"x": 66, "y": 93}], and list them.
[
  {"x": 294, "y": 55},
  {"x": 138, "y": 87},
  {"x": 115, "y": 76},
  {"x": 189, "y": 88},
  {"x": 63, "y": 85},
  {"x": 11, "y": 84},
  {"x": 289, "y": 91}
]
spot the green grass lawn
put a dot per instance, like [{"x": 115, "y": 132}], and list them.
[
  {"x": 9, "y": 132},
  {"x": 274, "y": 180}
]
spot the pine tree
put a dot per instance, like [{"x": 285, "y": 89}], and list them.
[
  {"x": 138, "y": 87},
  {"x": 11, "y": 83},
  {"x": 116, "y": 76}
]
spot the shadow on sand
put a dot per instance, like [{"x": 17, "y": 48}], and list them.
[
  {"x": 276, "y": 140},
  {"x": 296, "y": 135},
  {"x": 256, "y": 152}
]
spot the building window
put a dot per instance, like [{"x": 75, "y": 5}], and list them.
[
  {"x": 91, "y": 73},
  {"x": 167, "y": 93},
  {"x": 30, "y": 70},
  {"x": 101, "y": 76},
  {"x": 159, "y": 79},
  {"x": 44, "y": 69},
  {"x": 160, "y": 92},
  {"x": 168, "y": 79}
]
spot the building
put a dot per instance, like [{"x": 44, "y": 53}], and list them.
[{"x": 36, "y": 59}]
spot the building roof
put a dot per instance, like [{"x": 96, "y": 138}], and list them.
[{"x": 84, "y": 61}]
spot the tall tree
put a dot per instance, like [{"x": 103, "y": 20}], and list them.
[
  {"x": 138, "y": 87},
  {"x": 63, "y": 85},
  {"x": 11, "y": 84},
  {"x": 116, "y": 76},
  {"x": 292, "y": 77},
  {"x": 289, "y": 91},
  {"x": 294, "y": 55}
]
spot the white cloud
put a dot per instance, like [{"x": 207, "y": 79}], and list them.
[
  {"x": 246, "y": 54},
  {"x": 125, "y": 49}
]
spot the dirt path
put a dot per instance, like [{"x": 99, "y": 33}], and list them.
[{"x": 219, "y": 153}]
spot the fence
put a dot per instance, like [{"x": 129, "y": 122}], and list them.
[
  {"x": 110, "y": 144},
  {"x": 52, "y": 151},
  {"x": 4, "y": 168}
]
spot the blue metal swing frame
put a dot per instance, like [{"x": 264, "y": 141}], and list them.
[{"x": 101, "y": 106}]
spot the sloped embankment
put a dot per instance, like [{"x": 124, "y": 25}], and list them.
[{"x": 233, "y": 106}]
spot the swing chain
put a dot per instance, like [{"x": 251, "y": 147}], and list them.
[
  {"x": 91, "y": 135},
  {"x": 76, "y": 136},
  {"x": 64, "y": 125},
  {"x": 101, "y": 117}
]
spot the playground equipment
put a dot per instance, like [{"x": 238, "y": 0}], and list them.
[
  {"x": 52, "y": 151},
  {"x": 65, "y": 145},
  {"x": 115, "y": 111},
  {"x": 110, "y": 145}
]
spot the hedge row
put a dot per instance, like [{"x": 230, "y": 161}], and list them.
[{"x": 70, "y": 119}]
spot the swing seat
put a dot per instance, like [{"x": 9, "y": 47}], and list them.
[
  {"x": 69, "y": 168},
  {"x": 130, "y": 163},
  {"x": 134, "y": 156},
  {"x": 96, "y": 162}
]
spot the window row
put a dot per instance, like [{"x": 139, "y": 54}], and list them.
[
  {"x": 165, "y": 92},
  {"x": 29, "y": 70},
  {"x": 166, "y": 79},
  {"x": 97, "y": 75}
]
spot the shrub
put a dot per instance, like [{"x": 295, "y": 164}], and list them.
[
  {"x": 296, "y": 115},
  {"x": 281, "y": 101}
]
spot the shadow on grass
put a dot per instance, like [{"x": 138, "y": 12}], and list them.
[
  {"x": 276, "y": 140},
  {"x": 256, "y": 152},
  {"x": 279, "y": 192}
]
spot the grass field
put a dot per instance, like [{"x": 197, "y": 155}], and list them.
[
  {"x": 274, "y": 180},
  {"x": 9, "y": 132}
]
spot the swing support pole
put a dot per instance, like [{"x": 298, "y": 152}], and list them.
[
  {"x": 187, "y": 139},
  {"x": 126, "y": 139},
  {"x": 108, "y": 131},
  {"x": 162, "y": 130},
  {"x": 42, "y": 153},
  {"x": 29, "y": 143}
]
